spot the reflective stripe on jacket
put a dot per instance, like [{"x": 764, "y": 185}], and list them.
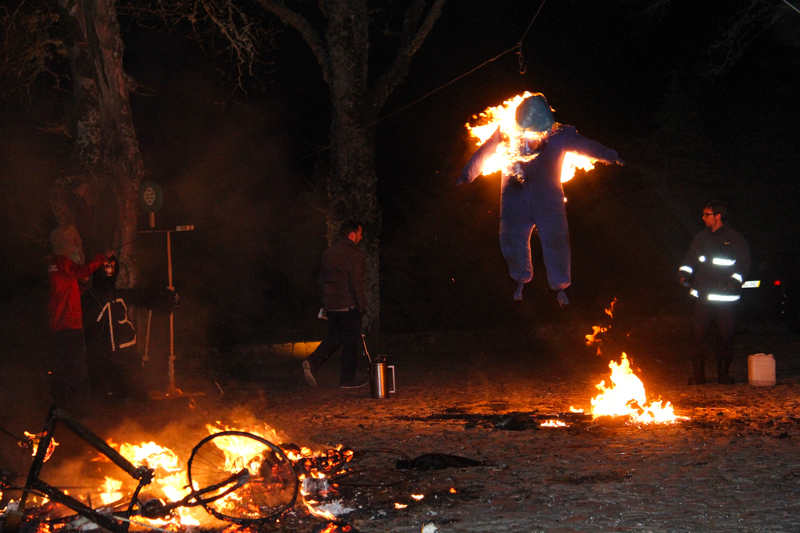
[{"x": 718, "y": 262}]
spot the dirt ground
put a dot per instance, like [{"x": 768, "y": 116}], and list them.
[{"x": 732, "y": 465}]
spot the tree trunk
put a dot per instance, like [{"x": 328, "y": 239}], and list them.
[
  {"x": 352, "y": 182},
  {"x": 352, "y": 185},
  {"x": 99, "y": 196}
]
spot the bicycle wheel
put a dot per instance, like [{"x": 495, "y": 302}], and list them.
[{"x": 269, "y": 490}]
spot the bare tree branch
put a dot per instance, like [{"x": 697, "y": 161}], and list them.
[
  {"x": 243, "y": 37},
  {"x": 413, "y": 38},
  {"x": 29, "y": 44},
  {"x": 748, "y": 24},
  {"x": 301, "y": 24}
]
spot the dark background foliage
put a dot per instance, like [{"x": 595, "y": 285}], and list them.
[{"x": 247, "y": 169}]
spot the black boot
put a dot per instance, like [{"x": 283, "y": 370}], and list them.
[
  {"x": 722, "y": 373},
  {"x": 698, "y": 372}
]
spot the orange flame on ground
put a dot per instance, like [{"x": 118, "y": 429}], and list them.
[
  {"x": 148, "y": 454},
  {"x": 552, "y": 424},
  {"x": 327, "y": 515},
  {"x": 626, "y": 397},
  {"x": 110, "y": 493}
]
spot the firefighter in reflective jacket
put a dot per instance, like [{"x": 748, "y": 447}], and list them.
[{"x": 715, "y": 268}]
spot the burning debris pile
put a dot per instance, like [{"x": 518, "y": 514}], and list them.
[{"x": 237, "y": 476}]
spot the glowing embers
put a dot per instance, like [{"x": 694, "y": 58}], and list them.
[
  {"x": 626, "y": 397},
  {"x": 517, "y": 146},
  {"x": 553, "y": 424}
]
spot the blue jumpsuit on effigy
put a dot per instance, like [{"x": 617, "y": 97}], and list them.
[{"x": 537, "y": 198}]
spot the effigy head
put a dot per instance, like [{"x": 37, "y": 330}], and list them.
[{"x": 534, "y": 113}]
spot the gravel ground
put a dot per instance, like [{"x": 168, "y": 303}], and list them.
[{"x": 732, "y": 465}]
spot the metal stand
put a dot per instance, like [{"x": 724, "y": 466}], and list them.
[{"x": 171, "y": 391}]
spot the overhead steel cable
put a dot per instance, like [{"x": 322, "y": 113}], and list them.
[
  {"x": 790, "y": 5},
  {"x": 517, "y": 47}
]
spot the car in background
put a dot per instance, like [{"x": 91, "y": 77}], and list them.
[{"x": 772, "y": 291}]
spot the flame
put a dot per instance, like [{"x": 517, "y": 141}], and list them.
[
  {"x": 572, "y": 161},
  {"x": 33, "y": 439},
  {"x": 148, "y": 454},
  {"x": 110, "y": 491},
  {"x": 626, "y": 396},
  {"x": 418, "y": 497},
  {"x": 170, "y": 481},
  {"x": 400, "y": 505},
  {"x": 513, "y": 147},
  {"x": 327, "y": 515},
  {"x": 265, "y": 433},
  {"x": 552, "y": 424},
  {"x": 610, "y": 308},
  {"x": 591, "y": 338}
]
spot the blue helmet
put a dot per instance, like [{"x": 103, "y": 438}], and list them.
[{"x": 534, "y": 113}]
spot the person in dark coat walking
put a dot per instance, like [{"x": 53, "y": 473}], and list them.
[
  {"x": 715, "y": 268},
  {"x": 344, "y": 299}
]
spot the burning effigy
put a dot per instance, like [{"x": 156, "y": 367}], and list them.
[{"x": 535, "y": 155}]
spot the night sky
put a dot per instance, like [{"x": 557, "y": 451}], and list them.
[{"x": 246, "y": 170}]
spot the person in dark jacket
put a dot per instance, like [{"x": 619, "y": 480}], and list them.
[
  {"x": 531, "y": 195},
  {"x": 114, "y": 364},
  {"x": 715, "y": 268},
  {"x": 344, "y": 299},
  {"x": 70, "y": 375}
]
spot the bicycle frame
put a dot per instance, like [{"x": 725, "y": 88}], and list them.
[{"x": 33, "y": 483}]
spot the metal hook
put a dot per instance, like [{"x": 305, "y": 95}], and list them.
[{"x": 521, "y": 59}]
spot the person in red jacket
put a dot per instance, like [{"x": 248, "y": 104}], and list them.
[{"x": 70, "y": 374}]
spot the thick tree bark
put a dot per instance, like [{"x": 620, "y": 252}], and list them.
[
  {"x": 352, "y": 196},
  {"x": 100, "y": 195},
  {"x": 352, "y": 182},
  {"x": 342, "y": 52}
]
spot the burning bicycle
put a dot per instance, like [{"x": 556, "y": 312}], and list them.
[{"x": 254, "y": 483}]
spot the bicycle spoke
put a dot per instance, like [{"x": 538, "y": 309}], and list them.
[{"x": 265, "y": 494}]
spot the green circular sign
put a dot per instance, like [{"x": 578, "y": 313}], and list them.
[{"x": 151, "y": 197}]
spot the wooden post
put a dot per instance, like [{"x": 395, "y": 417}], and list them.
[{"x": 171, "y": 363}]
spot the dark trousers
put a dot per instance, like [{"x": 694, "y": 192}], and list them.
[
  {"x": 69, "y": 379},
  {"x": 344, "y": 329},
  {"x": 117, "y": 375},
  {"x": 706, "y": 314}
]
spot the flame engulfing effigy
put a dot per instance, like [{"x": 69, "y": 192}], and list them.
[{"x": 535, "y": 155}]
